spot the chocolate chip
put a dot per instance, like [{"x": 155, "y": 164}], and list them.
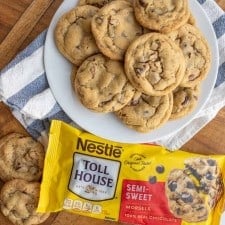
[
  {"x": 186, "y": 197},
  {"x": 184, "y": 45},
  {"x": 124, "y": 34},
  {"x": 114, "y": 22},
  {"x": 211, "y": 162},
  {"x": 179, "y": 212},
  {"x": 205, "y": 191},
  {"x": 143, "y": 3},
  {"x": 92, "y": 70},
  {"x": 200, "y": 208},
  {"x": 152, "y": 180},
  {"x": 99, "y": 20},
  {"x": 141, "y": 68},
  {"x": 190, "y": 185},
  {"x": 191, "y": 77},
  {"x": 186, "y": 100},
  {"x": 134, "y": 102},
  {"x": 138, "y": 71},
  {"x": 204, "y": 188},
  {"x": 193, "y": 172},
  {"x": 202, "y": 185},
  {"x": 172, "y": 186},
  {"x": 160, "y": 169},
  {"x": 146, "y": 113},
  {"x": 195, "y": 97},
  {"x": 209, "y": 176}
]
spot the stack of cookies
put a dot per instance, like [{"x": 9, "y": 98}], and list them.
[
  {"x": 142, "y": 60},
  {"x": 21, "y": 165}
]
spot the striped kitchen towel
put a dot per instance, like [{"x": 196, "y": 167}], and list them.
[{"x": 24, "y": 88}]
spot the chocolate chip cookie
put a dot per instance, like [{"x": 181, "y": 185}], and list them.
[
  {"x": 184, "y": 101},
  {"x": 183, "y": 198},
  {"x": 115, "y": 27},
  {"x": 163, "y": 15},
  {"x": 19, "y": 200},
  {"x": 196, "y": 52},
  {"x": 73, "y": 35},
  {"x": 154, "y": 64},
  {"x": 20, "y": 157},
  {"x": 101, "y": 84},
  {"x": 145, "y": 113}
]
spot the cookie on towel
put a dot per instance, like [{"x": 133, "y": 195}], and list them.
[
  {"x": 73, "y": 35},
  {"x": 19, "y": 200},
  {"x": 20, "y": 157}
]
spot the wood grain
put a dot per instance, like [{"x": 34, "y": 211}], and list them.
[
  {"x": 21, "y": 29},
  {"x": 221, "y": 3},
  {"x": 209, "y": 140}
]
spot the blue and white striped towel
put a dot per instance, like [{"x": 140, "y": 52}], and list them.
[{"x": 24, "y": 88}]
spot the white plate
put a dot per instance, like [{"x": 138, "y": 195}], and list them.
[{"x": 58, "y": 71}]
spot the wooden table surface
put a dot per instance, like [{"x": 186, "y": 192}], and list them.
[{"x": 209, "y": 140}]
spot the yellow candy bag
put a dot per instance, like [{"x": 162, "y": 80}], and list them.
[{"x": 137, "y": 184}]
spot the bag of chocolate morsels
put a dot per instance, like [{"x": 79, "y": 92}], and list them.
[{"x": 131, "y": 183}]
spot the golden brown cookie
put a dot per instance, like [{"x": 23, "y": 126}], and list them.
[
  {"x": 101, "y": 84},
  {"x": 19, "y": 200},
  {"x": 196, "y": 52},
  {"x": 114, "y": 28},
  {"x": 20, "y": 157},
  {"x": 163, "y": 15},
  {"x": 145, "y": 113},
  {"x": 154, "y": 64},
  {"x": 184, "y": 101},
  {"x": 73, "y": 35}
]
